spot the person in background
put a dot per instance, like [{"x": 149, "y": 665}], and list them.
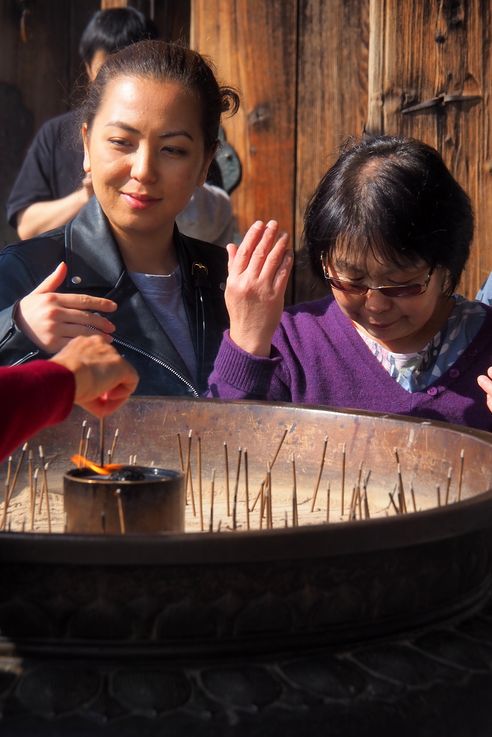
[
  {"x": 121, "y": 267},
  {"x": 484, "y": 294},
  {"x": 51, "y": 187},
  {"x": 389, "y": 231},
  {"x": 87, "y": 371}
]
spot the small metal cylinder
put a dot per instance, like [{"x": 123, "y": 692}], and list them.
[{"x": 143, "y": 500}]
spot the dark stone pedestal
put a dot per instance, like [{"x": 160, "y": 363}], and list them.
[{"x": 432, "y": 683}]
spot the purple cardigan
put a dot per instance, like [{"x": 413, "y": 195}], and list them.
[{"x": 339, "y": 370}]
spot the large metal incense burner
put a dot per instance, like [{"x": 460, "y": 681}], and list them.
[{"x": 331, "y": 581}]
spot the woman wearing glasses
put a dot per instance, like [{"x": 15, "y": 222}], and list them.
[{"x": 389, "y": 230}]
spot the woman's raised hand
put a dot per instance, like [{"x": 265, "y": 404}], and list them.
[
  {"x": 485, "y": 382},
  {"x": 50, "y": 319},
  {"x": 259, "y": 270}
]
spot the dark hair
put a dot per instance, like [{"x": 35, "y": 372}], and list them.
[
  {"x": 113, "y": 29},
  {"x": 393, "y": 197},
  {"x": 167, "y": 62}
]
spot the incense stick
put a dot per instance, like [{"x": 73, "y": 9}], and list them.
[
  {"x": 272, "y": 463},
  {"x": 226, "y": 462},
  {"x": 189, "y": 479},
  {"x": 412, "y": 494},
  {"x": 343, "y": 479},
  {"x": 320, "y": 473},
  {"x": 268, "y": 499},
  {"x": 121, "y": 514},
  {"x": 9, "y": 492},
  {"x": 460, "y": 479},
  {"x": 246, "y": 487},
  {"x": 236, "y": 488},
  {"x": 328, "y": 501},
  {"x": 86, "y": 442},
  {"x": 448, "y": 485},
  {"x": 295, "y": 515},
  {"x": 30, "y": 474},
  {"x": 401, "y": 492},
  {"x": 212, "y": 489},
  {"x": 45, "y": 489},
  {"x": 200, "y": 493},
  {"x": 34, "y": 493},
  {"x": 114, "y": 442},
  {"x": 101, "y": 441},
  {"x": 180, "y": 452},
  {"x": 81, "y": 442}
]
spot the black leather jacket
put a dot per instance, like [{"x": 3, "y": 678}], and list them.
[{"x": 95, "y": 267}]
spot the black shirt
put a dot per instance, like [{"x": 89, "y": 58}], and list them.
[{"x": 52, "y": 168}]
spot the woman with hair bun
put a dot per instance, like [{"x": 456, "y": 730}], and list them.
[{"x": 121, "y": 268}]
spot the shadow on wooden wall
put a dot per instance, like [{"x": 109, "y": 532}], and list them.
[
  {"x": 40, "y": 65},
  {"x": 314, "y": 72},
  {"x": 310, "y": 72}
]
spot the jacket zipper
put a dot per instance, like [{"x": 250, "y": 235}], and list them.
[
  {"x": 159, "y": 362},
  {"x": 25, "y": 358}
]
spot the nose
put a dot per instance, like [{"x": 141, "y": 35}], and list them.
[
  {"x": 143, "y": 165},
  {"x": 377, "y": 302}
]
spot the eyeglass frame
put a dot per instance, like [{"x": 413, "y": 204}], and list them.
[{"x": 358, "y": 289}]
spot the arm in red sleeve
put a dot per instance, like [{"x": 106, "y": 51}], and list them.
[{"x": 32, "y": 396}]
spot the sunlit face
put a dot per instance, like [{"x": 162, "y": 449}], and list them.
[
  {"x": 145, "y": 153},
  {"x": 403, "y": 324}
]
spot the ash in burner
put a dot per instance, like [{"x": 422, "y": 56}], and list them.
[{"x": 129, "y": 473}]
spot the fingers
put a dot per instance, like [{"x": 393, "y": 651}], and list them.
[
  {"x": 256, "y": 247},
  {"x": 103, "y": 379},
  {"x": 485, "y": 383},
  {"x": 83, "y": 322},
  {"x": 53, "y": 281},
  {"x": 76, "y": 301},
  {"x": 85, "y": 302}
]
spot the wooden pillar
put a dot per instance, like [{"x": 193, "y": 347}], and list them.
[
  {"x": 253, "y": 45},
  {"x": 429, "y": 77},
  {"x": 105, "y": 4},
  {"x": 332, "y": 100}
]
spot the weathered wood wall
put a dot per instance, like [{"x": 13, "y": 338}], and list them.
[
  {"x": 38, "y": 66},
  {"x": 310, "y": 73},
  {"x": 359, "y": 65},
  {"x": 254, "y": 47},
  {"x": 429, "y": 77}
]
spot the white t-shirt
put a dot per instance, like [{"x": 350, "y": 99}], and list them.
[{"x": 208, "y": 216}]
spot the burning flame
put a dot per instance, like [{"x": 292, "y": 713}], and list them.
[{"x": 82, "y": 462}]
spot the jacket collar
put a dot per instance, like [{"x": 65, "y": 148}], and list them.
[
  {"x": 95, "y": 264},
  {"x": 92, "y": 256}
]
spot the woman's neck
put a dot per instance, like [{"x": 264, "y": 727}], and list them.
[{"x": 148, "y": 253}]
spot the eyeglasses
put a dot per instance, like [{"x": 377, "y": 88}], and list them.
[{"x": 395, "y": 291}]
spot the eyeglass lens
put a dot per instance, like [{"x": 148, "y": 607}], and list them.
[{"x": 403, "y": 290}]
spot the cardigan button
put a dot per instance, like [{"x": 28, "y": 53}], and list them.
[
  {"x": 76, "y": 279},
  {"x": 454, "y": 373},
  {"x": 432, "y": 391}
]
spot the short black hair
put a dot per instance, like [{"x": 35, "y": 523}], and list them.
[
  {"x": 113, "y": 29},
  {"x": 394, "y": 197}
]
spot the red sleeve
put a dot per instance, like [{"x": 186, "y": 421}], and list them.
[{"x": 32, "y": 396}]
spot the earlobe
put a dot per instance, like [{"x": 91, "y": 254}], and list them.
[
  {"x": 87, "y": 162},
  {"x": 206, "y": 166}
]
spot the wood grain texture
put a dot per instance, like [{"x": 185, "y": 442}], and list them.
[
  {"x": 420, "y": 52},
  {"x": 37, "y": 76},
  {"x": 253, "y": 45},
  {"x": 332, "y": 101}
]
